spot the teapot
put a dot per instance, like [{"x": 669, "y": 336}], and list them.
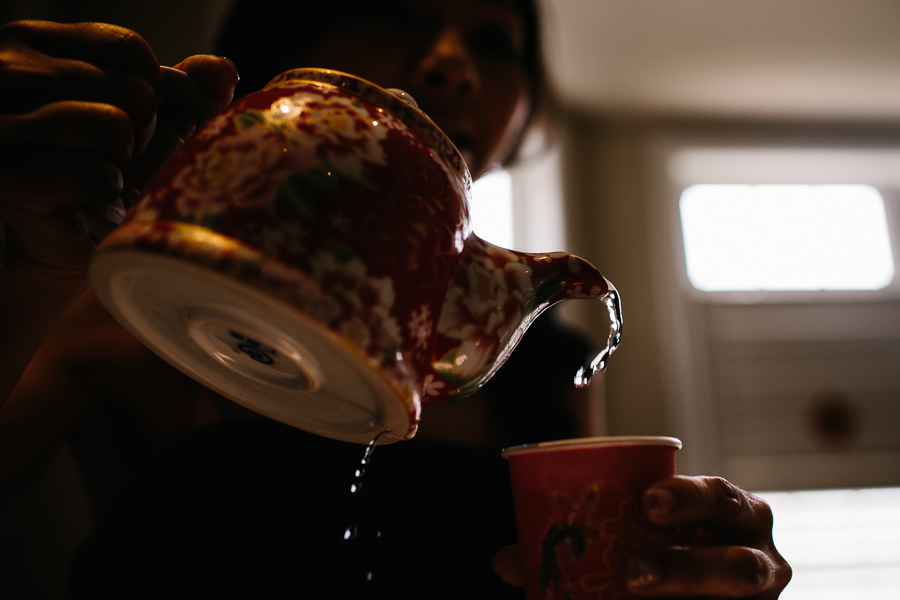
[{"x": 308, "y": 254}]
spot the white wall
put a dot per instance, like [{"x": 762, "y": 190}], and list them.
[{"x": 670, "y": 375}]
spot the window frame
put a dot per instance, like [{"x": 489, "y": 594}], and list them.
[
  {"x": 690, "y": 203},
  {"x": 689, "y": 165}
]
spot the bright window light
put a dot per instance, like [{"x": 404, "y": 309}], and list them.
[
  {"x": 786, "y": 237},
  {"x": 840, "y": 543},
  {"x": 492, "y": 209}
]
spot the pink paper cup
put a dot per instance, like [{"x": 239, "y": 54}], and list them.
[{"x": 579, "y": 515}]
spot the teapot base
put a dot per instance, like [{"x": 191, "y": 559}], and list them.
[{"x": 250, "y": 346}]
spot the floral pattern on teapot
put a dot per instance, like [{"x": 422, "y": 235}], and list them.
[
  {"x": 496, "y": 295},
  {"x": 350, "y": 204}
]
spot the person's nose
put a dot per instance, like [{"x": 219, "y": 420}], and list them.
[{"x": 447, "y": 68}]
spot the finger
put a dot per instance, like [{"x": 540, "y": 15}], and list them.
[
  {"x": 728, "y": 572},
  {"x": 709, "y": 502},
  {"x": 79, "y": 126},
  {"x": 186, "y": 106},
  {"x": 508, "y": 565},
  {"x": 167, "y": 138},
  {"x": 53, "y": 179},
  {"x": 215, "y": 75},
  {"x": 48, "y": 80},
  {"x": 58, "y": 245},
  {"x": 190, "y": 98},
  {"x": 96, "y": 43},
  {"x": 39, "y": 197},
  {"x": 185, "y": 103}
]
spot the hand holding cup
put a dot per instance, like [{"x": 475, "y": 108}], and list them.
[
  {"x": 733, "y": 554},
  {"x": 608, "y": 518}
]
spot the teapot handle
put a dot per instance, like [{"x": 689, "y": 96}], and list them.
[{"x": 496, "y": 295}]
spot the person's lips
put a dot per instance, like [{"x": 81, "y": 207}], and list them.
[
  {"x": 465, "y": 145},
  {"x": 455, "y": 126}
]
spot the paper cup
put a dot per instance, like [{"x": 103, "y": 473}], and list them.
[{"x": 578, "y": 511}]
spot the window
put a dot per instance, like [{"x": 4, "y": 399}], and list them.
[
  {"x": 491, "y": 209},
  {"x": 785, "y": 237},
  {"x": 840, "y": 543}
]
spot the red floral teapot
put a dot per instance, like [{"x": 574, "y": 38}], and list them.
[{"x": 308, "y": 254}]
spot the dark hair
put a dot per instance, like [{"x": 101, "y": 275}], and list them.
[
  {"x": 264, "y": 37},
  {"x": 541, "y": 123}
]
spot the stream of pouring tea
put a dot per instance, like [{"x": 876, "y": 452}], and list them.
[
  {"x": 614, "y": 306},
  {"x": 351, "y": 532},
  {"x": 582, "y": 379}
]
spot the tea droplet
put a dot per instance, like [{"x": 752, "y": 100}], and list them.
[
  {"x": 404, "y": 96},
  {"x": 614, "y": 307},
  {"x": 351, "y": 532},
  {"x": 359, "y": 513}
]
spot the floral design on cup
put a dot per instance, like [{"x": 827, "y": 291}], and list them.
[{"x": 584, "y": 532}]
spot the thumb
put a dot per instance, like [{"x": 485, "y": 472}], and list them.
[
  {"x": 508, "y": 566},
  {"x": 216, "y": 75}
]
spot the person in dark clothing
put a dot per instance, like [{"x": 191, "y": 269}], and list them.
[
  {"x": 196, "y": 497},
  {"x": 245, "y": 508}
]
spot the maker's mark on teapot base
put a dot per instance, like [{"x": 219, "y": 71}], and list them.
[{"x": 252, "y": 347}]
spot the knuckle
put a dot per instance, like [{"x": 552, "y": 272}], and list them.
[
  {"x": 750, "y": 571},
  {"x": 118, "y": 131},
  {"x": 114, "y": 32},
  {"x": 16, "y": 30},
  {"x": 720, "y": 484},
  {"x": 11, "y": 50},
  {"x": 141, "y": 98},
  {"x": 101, "y": 128},
  {"x": 135, "y": 54},
  {"x": 725, "y": 493},
  {"x": 762, "y": 511},
  {"x": 691, "y": 490},
  {"x": 17, "y": 72},
  {"x": 7, "y": 67},
  {"x": 118, "y": 122},
  {"x": 783, "y": 571},
  {"x": 111, "y": 122},
  {"x": 125, "y": 38}
]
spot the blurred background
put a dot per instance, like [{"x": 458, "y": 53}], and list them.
[{"x": 734, "y": 169}]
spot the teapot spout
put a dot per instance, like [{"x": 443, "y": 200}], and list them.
[
  {"x": 496, "y": 295},
  {"x": 614, "y": 307},
  {"x": 579, "y": 279}
]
